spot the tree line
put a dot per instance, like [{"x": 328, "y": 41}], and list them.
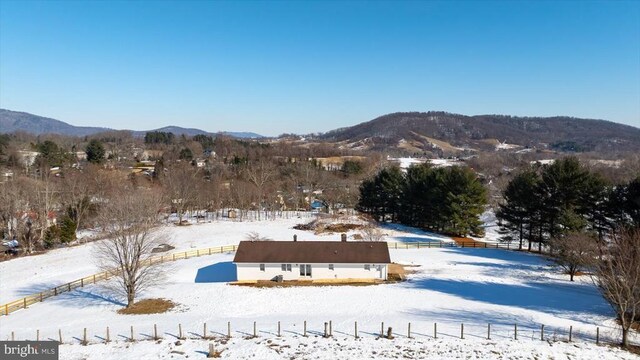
[
  {"x": 446, "y": 200},
  {"x": 543, "y": 203},
  {"x": 45, "y": 203}
]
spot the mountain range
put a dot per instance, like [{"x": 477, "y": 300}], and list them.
[
  {"x": 12, "y": 121},
  {"x": 440, "y": 133},
  {"x": 447, "y": 132}
]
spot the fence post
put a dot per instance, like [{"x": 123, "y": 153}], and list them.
[
  {"x": 542, "y": 332},
  {"x": 489, "y": 331},
  {"x": 6, "y": 309},
  {"x": 461, "y": 331},
  {"x": 180, "y": 332},
  {"x": 356, "y": 330},
  {"x": 228, "y": 328},
  {"x": 570, "y": 332},
  {"x": 38, "y": 335},
  {"x": 13, "y": 336},
  {"x": 132, "y": 338},
  {"x": 60, "y": 335},
  {"x": 84, "y": 337},
  {"x": 409, "y": 331},
  {"x": 278, "y": 328},
  {"x": 389, "y": 333},
  {"x": 305, "y": 329},
  {"x": 68, "y": 286},
  {"x": 94, "y": 278},
  {"x": 435, "y": 330},
  {"x": 212, "y": 352},
  {"x": 382, "y": 329},
  {"x": 326, "y": 325},
  {"x": 515, "y": 331},
  {"x": 107, "y": 339},
  {"x": 82, "y": 282},
  {"x": 41, "y": 298},
  {"x": 598, "y": 335},
  {"x": 254, "y": 330},
  {"x": 330, "y": 328},
  {"x": 25, "y": 302}
]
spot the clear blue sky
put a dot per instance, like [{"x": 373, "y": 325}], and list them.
[{"x": 275, "y": 67}]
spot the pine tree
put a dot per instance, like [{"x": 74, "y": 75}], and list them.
[
  {"x": 95, "y": 152},
  {"x": 518, "y": 210}
]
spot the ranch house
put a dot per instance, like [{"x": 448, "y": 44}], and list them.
[{"x": 311, "y": 260}]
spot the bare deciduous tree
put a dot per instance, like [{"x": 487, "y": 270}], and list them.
[
  {"x": 182, "y": 188},
  {"x": 254, "y": 236},
  {"x": 260, "y": 173},
  {"x": 574, "y": 251},
  {"x": 371, "y": 233},
  {"x": 130, "y": 221},
  {"x": 618, "y": 277}
]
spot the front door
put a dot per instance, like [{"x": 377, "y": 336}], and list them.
[{"x": 305, "y": 270}]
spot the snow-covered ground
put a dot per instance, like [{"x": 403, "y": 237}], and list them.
[
  {"x": 451, "y": 286},
  {"x": 344, "y": 347},
  {"x": 29, "y": 275}
]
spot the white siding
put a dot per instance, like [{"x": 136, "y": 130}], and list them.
[{"x": 248, "y": 272}]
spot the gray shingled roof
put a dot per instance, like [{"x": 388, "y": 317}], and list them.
[{"x": 313, "y": 252}]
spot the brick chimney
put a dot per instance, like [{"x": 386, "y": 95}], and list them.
[
  {"x": 343, "y": 237},
  {"x": 295, "y": 237}
]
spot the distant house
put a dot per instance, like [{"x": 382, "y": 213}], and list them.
[
  {"x": 311, "y": 260},
  {"x": 318, "y": 205}
]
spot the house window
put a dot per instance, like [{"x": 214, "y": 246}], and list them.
[
  {"x": 330, "y": 266},
  {"x": 261, "y": 267},
  {"x": 286, "y": 267},
  {"x": 305, "y": 269},
  {"x": 367, "y": 267}
]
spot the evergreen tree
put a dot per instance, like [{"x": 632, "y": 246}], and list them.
[
  {"x": 95, "y": 152},
  {"x": 67, "y": 230},
  {"x": 518, "y": 210},
  {"x": 381, "y": 195},
  {"x": 465, "y": 201},
  {"x": 186, "y": 154},
  {"x": 443, "y": 199}
]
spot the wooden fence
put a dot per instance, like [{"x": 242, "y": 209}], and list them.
[
  {"x": 23, "y": 303},
  {"x": 390, "y": 330}
]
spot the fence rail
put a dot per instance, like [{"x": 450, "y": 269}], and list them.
[
  {"x": 23, "y": 303},
  {"x": 247, "y": 329},
  {"x": 448, "y": 244}
]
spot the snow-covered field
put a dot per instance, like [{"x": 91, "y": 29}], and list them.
[{"x": 451, "y": 286}]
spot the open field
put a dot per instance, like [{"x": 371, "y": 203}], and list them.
[{"x": 447, "y": 286}]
